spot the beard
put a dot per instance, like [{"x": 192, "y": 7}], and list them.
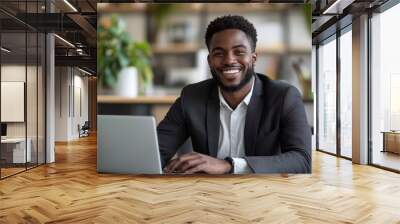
[{"x": 246, "y": 79}]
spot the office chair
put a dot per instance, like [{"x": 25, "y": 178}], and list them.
[{"x": 84, "y": 130}]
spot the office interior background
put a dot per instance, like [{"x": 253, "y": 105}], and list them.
[
  {"x": 358, "y": 83},
  {"x": 49, "y": 90},
  {"x": 179, "y": 54},
  {"x": 39, "y": 108}
]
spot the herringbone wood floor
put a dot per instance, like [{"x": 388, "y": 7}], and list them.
[{"x": 70, "y": 191}]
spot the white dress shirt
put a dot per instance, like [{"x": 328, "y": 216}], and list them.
[{"x": 231, "y": 132}]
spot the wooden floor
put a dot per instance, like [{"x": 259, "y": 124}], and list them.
[
  {"x": 5, "y": 172},
  {"x": 387, "y": 159},
  {"x": 70, "y": 191}
]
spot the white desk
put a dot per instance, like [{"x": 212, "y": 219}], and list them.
[{"x": 18, "y": 149}]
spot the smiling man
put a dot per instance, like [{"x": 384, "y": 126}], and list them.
[{"x": 239, "y": 121}]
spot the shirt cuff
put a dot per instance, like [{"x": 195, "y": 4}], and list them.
[{"x": 241, "y": 166}]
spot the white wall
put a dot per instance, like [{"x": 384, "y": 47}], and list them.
[
  {"x": 80, "y": 94},
  {"x": 33, "y": 126},
  {"x": 70, "y": 84},
  {"x": 61, "y": 103},
  {"x": 16, "y": 73}
]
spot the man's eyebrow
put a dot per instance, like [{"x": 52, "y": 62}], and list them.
[
  {"x": 216, "y": 49},
  {"x": 236, "y": 46},
  {"x": 239, "y": 45}
]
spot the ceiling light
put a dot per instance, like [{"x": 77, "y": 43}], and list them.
[
  {"x": 65, "y": 41},
  {"x": 70, "y": 5},
  {"x": 5, "y": 50},
  {"x": 337, "y": 7},
  {"x": 84, "y": 71}
]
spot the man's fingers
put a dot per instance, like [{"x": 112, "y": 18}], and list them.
[
  {"x": 170, "y": 165},
  {"x": 190, "y": 163},
  {"x": 195, "y": 169},
  {"x": 182, "y": 159}
]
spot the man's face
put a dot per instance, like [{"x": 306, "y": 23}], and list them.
[{"x": 231, "y": 59}]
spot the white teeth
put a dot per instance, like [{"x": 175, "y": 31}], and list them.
[{"x": 231, "y": 71}]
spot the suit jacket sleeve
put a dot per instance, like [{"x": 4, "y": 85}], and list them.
[
  {"x": 295, "y": 139},
  {"x": 172, "y": 131}
]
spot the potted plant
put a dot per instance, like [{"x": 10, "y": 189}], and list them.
[{"x": 123, "y": 64}]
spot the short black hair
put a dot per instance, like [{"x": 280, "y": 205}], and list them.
[{"x": 232, "y": 22}]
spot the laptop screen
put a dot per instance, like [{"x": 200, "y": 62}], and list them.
[{"x": 3, "y": 129}]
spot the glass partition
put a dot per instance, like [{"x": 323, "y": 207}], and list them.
[
  {"x": 346, "y": 93},
  {"x": 41, "y": 91},
  {"x": 13, "y": 107},
  {"x": 327, "y": 96},
  {"x": 31, "y": 99},
  {"x": 385, "y": 89},
  {"x": 22, "y": 76}
]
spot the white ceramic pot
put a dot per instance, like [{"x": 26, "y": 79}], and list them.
[{"x": 128, "y": 82}]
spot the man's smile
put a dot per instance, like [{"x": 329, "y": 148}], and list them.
[{"x": 231, "y": 73}]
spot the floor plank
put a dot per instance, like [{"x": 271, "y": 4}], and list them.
[{"x": 71, "y": 191}]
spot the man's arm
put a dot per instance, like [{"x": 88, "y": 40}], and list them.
[
  {"x": 295, "y": 138},
  {"x": 172, "y": 132}
]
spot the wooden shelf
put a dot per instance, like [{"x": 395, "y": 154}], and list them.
[
  {"x": 110, "y": 99},
  {"x": 143, "y": 7},
  {"x": 244, "y": 7},
  {"x": 280, "y": 49},
  {"x": 195, "y": 7},
  {"x": 300, "y": 49},
  {"x": 183, "y": 48},
  {"x": 179, "y": 48},
  {"x": 272, "y": 49},
  {"x": 120, "y": 7}
]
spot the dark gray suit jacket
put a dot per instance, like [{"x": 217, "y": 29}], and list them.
[{"x": 277, "y": 135}]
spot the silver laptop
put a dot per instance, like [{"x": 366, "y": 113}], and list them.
[{"x": 127, "y": 144}]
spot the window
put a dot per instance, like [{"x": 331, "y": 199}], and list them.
[
  {"x": 346, "y": 93},
  {"x": 385, "y": 88},
  {"x": 326, "y": 96}
]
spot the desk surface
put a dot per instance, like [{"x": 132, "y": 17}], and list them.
[
  {"x": 391, "y": 132},
  {"x": 71, "y": 191},
  {"x": 13, "y": 140},
  {"x": 110, "y": 99}
]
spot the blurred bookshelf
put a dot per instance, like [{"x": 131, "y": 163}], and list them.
[
  {"x": 194, "y": 7},
  {"x": 182, "y": 48},
  {"x": 178, "y": 44},
  {"x": 179, "y": 53},
  {"x": 175, "y": 48}
]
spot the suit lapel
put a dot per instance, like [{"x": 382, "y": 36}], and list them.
[
  {"x": 253, "y": 117},
  {"x": 213, "y": 122}
]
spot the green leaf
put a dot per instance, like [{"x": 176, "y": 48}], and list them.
[{"x": 117, "y": 50}]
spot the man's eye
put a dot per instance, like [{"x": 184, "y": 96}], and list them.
[
  {"x": 218, "y": 54},
  {"x": 240, "y": 53}
]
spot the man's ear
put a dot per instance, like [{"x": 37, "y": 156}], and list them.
[
  {"x": 208, "y": 60},
  {"x": 254, "y": 57}
]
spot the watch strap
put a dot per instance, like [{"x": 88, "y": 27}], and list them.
[{"x": 230, "y": 160}]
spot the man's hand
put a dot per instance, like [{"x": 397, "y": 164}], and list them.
[{"x": 197, "y": 163}]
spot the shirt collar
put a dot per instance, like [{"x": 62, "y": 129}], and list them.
[{"x": 245, "y": 101}]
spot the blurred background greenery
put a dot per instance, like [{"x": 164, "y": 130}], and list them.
[
  {"x": 117, "y": 50},
  {"x": 174, "y": 34}
]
